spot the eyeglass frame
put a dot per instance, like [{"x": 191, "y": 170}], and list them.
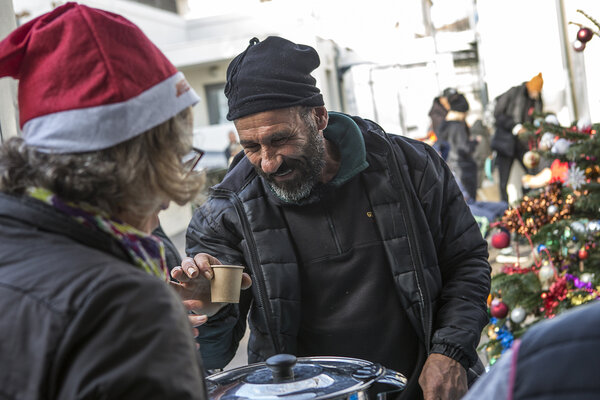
[{"x": 197, "y": 154}]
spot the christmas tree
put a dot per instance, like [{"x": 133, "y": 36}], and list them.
[{"x": 561, "y": 222}]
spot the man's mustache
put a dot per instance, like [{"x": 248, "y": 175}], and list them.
[{"x": 284, "y": 168}]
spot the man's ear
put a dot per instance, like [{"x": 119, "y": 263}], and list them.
[{"x": 321, "y": 117}]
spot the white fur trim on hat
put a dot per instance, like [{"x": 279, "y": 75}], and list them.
[{"x": 100, "y": 127}]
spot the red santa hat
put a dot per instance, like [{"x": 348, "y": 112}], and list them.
[{"x": 89, "y": 79}]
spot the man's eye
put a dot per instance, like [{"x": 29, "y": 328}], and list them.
[
  {"x": 279, "y": 140},
  {"x": 250, "y": 148}
]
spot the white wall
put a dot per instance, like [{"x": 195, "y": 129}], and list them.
[{"x": 521, "y": 38}]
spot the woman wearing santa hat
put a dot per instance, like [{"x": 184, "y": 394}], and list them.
[{"x": 85, "y": 307}]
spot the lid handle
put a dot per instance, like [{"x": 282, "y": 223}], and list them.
[{"x": 282, "y": 367}]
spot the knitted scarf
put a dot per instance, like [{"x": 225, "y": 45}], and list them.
[{"x": 146, "y": 251}]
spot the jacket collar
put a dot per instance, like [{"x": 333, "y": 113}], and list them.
[{"x": 33, "y": 213}]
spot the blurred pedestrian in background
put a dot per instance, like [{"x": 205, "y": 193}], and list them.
[
  {"x": 461, "y": 146},
  {"x": 85, "y": 310},
  {"x": 437, "y": 113},
  {"x": 233, "y": 147},
  {"x": 481, "y": 134},
  {"x": 513, "y": 108}
]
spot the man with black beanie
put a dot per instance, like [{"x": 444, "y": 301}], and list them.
[{"x": 359, "y": 243}]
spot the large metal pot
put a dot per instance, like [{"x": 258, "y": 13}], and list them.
[{"x": 286, "y": 377}]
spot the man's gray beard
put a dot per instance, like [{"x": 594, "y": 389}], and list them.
[{"x": 315, "y": 153}]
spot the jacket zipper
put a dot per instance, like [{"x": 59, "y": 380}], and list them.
[
  {"x": 334, "y": 232},
  {"x": 413, "y": 242},
  {"x": 255, "y": 263}
]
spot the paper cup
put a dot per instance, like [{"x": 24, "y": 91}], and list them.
[{"x": 226, "y": 285}]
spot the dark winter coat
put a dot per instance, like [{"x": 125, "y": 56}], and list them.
[
  {"x": 556, "y": 359},
  {"x": 440, "y": 268},
  {"x": 79, "y": 321},
  {"x": 437, "y": 113},
  {"x": 512, "y": 108},
  {"x": 172, "y": 256},
  {"x": 460, "y": 157}
]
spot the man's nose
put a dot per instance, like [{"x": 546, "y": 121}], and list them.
[{"x": 269, "y": 162}]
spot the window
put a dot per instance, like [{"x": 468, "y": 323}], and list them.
[
  {"x": 217, "y": 103},
  {"x": 167, "y": 5}
]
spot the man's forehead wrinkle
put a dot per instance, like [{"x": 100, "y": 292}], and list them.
[{"x": 266, "y": 137}]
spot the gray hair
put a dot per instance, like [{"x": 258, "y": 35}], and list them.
[{"x": 135, "y": 176}]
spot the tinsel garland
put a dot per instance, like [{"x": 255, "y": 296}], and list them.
[{"x": 534, "y": 211}]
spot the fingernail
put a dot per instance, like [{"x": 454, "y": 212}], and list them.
[
  {"x": 191, "y": 271},
  {"x": 208, "y": 275}
]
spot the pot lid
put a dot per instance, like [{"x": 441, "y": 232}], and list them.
[{"x": 285, "y": 376}]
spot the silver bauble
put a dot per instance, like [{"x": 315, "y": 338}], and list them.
[
  {"x": 552, "y": 209},
  {"x": 578, "y": 227},
  {"x": 593, "y": 227},
  {"x": 584, "y": 123},
  {"x": 561, "y": 146},
  {"x": 518, "y": 314},
  {"x": 551, "y": 119},
  {"x": 546, "y": 141},
  {"x": 586, "y": 277}
]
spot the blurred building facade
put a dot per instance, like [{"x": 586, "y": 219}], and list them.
[{"x": 384, "y": 60}]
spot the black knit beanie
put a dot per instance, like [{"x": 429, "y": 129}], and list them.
[
  {"x": 458, "y": 102},
  {"x": 271, "y": 74}
]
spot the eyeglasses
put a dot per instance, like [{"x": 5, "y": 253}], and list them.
[{"x": 191, "y": 159}]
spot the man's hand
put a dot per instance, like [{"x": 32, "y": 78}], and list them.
[
  {"x": 443, "y": 378},
  {"x": 193, "y": 286}
]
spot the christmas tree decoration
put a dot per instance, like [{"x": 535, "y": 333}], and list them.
[
  {"x": 586, "y": 277},
  {"x": 532, "y": 213},
  {"x": 560, "y": 221},
  {"x": 579, "y": 227},
  {"x": 593, "y": 227},
  {"x": 578, "y": 46},
  {"x": 560, "y": 171},
  {"x": 561, "y": 146},
  {"x": 518, "y": 314},
  {"x": 584, "y": 34},
  {"x": 498, "y": 309},
  {"x": 584, "y": 124},
  {"x": 538, "y": 180},
  {"x": 546, "y": 141},
  {"x": 592, "y": 172},
  {"x": 546, "y": 275},
  {"x": 551, "y": 119},
  {"x": 576, "y": 177},
  {"x": 500, "y": 240},
  {"x": 531, "y": 159}
]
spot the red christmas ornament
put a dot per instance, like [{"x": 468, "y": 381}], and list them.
[
  {"x": 583, "y": 254},
  {"x": 578, "y": 46},
  {"x": 584, "y": 35},
  {"x": 501, "y": 240},
  {"x": 499, "y": 310}
]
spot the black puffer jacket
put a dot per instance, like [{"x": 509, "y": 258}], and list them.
[
  {"x": 440, "y": 270},
  {"x": 79, "y": 321},
  {"x": 460, "y": 157},
  {"x": 512, "y": 108}
]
